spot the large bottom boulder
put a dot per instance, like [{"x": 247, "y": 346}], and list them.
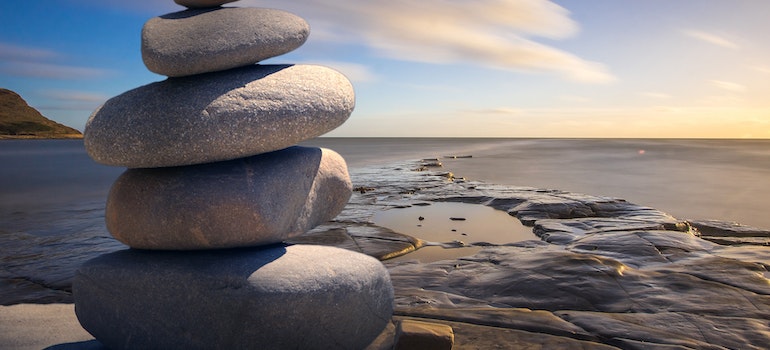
[{"x": 275, "y": 297}]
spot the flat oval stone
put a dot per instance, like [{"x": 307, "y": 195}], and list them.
[
  {"x": 250, "y": 201},
  {"x": 276, "y": 297},
  {"x": 218, "y": 116},
  {"x": 202, "y": 3},
  {"x": 208, "y": 40}
]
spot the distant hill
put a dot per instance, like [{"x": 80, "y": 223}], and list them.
[{"x": 20, "y": 121}]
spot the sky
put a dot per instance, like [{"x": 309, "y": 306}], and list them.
[{"x": 448, "y": 68}]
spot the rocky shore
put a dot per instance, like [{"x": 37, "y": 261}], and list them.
[{"x": 605, "y": 273}]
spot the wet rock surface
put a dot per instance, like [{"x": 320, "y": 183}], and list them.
[{"x": 605, "y": 273}]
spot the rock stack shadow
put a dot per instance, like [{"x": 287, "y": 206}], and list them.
[{"x": 215, "y": 183}]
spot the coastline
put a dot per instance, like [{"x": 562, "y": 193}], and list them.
[
  {"x": 605, "y": 273},
  {"x": 35, "y": 137}
]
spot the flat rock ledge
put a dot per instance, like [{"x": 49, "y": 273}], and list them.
[{"x": 605, "y": 273}]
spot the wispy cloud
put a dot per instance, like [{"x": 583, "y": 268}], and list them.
[
  {"x": 148, "y": 7},
  {"x": 50, "y": 71},
  {"x": 10, "y": 52},
  {"x": 656, "y": 95},
  {"x": 75, "y": 96},
  {"x": 711, "y": 39},
  {"x": 761, "y": 69},
  {"x": 491, "y": 33},
  {"x": 726, "y": 85},
  {"x": 54, "y": 100},
  {"x": 510, "y": 111},
  {"x": 36, "y": 62},
  {"x": 574, "y": 98}
]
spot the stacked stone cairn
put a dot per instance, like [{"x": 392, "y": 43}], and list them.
[{"x": 215, "y": 184}]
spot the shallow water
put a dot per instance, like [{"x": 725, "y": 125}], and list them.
[
  {"x": 449, "y": 222},
  {"x": 726, "y": 180},
  {"x": 455, "y": 223}
]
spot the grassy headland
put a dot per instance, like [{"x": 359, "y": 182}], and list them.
[{"x": 20, "y": 121}]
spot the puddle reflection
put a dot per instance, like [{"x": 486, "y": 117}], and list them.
[{"x": 444, "y": 222}]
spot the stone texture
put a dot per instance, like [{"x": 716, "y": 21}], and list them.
[
  {"x": 276, "y": 297},
  {"x": 244, "y": 202},
  {"x": 202, "y": 3},
  {"x": 411, "y": 334},
  {"x": 218, "y": 116},
  {"x": 209, "y": 40}
]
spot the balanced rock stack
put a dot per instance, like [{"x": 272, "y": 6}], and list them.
[{"x": 215, "y": 184}]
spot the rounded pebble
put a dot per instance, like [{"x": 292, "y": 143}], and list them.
[
  {"x": 218, "y": 116},
  {"x": 251, "y": 201},
  {"x": 277, "y": 297},
  {"x": 193, "y": 41}
]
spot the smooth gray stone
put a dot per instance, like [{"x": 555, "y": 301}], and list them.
[
  {"x": 202, "y": 3},
  {"x": 277, "y": 297},
  {"x": 209, "y": 40},
  {"x": 251, "y": 201},
  {"x": 218, "y": 116}
]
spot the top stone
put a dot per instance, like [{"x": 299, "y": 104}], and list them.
[
  {"x": 208, "y": 40},
  {"x": 202, "y": 3}
]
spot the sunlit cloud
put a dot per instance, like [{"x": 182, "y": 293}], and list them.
[
  {"x": 574, "y": 98},
  {"x": 761, "y": 69},
  {"x": 686, "y": 121},
  {"x": 490, "y": 33},
  {"x": 711, "y": 39},
  {"x": 656, "y": 95},
  {"x": 726, "y": 85},
  {"x": 499, "y": 110}
]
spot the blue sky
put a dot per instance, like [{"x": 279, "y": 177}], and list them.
[{"x": 477, "y": 68}]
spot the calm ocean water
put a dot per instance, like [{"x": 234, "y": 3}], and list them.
[
  {"x": 52, "y": 195},
  {"x": 725, "y": 180}
]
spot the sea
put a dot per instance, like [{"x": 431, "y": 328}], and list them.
[{"x": 52, "y": 195}]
